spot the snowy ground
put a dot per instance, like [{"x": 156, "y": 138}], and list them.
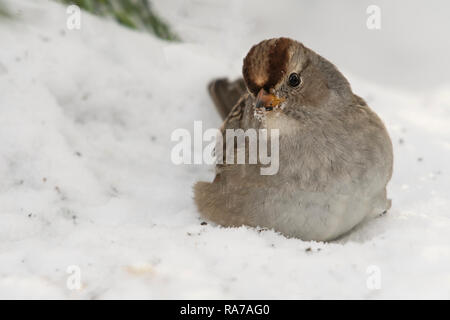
[{"x": 85, "y": 123}]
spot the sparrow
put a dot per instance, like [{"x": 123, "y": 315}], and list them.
[{"x": 335, "y": 154}]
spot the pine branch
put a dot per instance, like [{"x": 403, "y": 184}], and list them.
[{"x": 134, "y": 14}]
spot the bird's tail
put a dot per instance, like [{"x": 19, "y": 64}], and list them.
[
  {"x": 226, "y": 94},
  {"x": 206, "y": 199},
  {"x": 213, "y": 207}
]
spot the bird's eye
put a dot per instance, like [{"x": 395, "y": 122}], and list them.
[{"x": 294, "y": 79}]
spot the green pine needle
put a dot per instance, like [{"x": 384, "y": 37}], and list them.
[{"x": 134, "y": 14}]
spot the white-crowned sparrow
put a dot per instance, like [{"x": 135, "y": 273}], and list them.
[{"x": 335, "y": 155}]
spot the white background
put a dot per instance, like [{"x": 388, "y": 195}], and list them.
[{"x": 86, "y": 177}]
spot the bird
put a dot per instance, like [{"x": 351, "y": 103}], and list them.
[{"x": 335, "y": 154}]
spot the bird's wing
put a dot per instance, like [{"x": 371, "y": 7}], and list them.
[
  {"x": 226, "y": 94},
  {"x": 234, "y": 120}
]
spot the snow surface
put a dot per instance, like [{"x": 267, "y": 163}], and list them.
[{"x": 85, "y": 123}]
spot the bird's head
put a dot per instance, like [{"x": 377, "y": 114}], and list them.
[{"x": 283, "y": 75}]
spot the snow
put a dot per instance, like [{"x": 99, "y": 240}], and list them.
[{"x": 85, "y": 123}]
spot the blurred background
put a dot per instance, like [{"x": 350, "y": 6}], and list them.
[
  {"x": 86, "y": 122},
  {"x": 410, "y": 50}
]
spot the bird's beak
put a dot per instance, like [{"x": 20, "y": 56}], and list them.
[{"x": 267, "y": 100}]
